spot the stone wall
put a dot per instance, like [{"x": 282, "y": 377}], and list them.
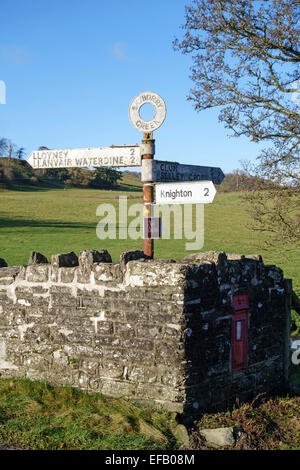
[{"x": 155, "y": 331}]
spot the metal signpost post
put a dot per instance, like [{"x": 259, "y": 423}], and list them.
[
  {"x": 147, "y": 152},
  {"x": 192, "y": 184},
  {"x": 148, "y": 199}
]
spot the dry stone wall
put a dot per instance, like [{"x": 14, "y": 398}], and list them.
[{"x": 155, "y": 331}]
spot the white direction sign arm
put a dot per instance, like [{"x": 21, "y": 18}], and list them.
[
  {"x": 201, "y": 192},
  {"x": 168, "y": 172},
  {"x": 114, "y": 156}
]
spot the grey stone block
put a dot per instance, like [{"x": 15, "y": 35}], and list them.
[
  {"x": 64, "y": 260},
  {"x": 131, "y": 256},
  {"x": 3, "y": 263},
  {"x": 37, "y": 258},
  {"x": 88, "y": 257},
  {"x": 219, "y": 437}
]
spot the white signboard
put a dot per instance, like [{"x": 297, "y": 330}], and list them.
[
  {"x": 167, "y": 172},
  {"x": 160, "y": 111},
  {"x": 202, "y": 192},
  {"x": 115, "y": 156}
]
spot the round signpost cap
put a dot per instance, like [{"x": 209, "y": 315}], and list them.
[{"x": 160, "y": 111}]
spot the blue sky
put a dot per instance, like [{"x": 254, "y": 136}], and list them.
[{"x": 72, "y": 67}]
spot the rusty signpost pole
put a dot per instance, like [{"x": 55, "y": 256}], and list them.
[
  {"x": 147, "y": 154},
  {"x": 148, "y": 194}
]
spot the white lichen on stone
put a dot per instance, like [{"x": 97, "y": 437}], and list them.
[
  {"x": 4, "y": 364},
  {"x": 65, "y": 331},
  {"x": 23, "y": 329},
  {"x": 173, "y": 326},
  {"x": 24, "y": 302},
  {"x": 95, "y": 320}
]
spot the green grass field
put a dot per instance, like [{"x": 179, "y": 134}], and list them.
[{"x": 58, "y": 221}]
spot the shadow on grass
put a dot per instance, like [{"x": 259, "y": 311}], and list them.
[
  {"x": 48, "y": 186},
  {"x": 128, "y": 187},
  {"x": 31, "y": 189},
  {"x": 13, "y": 223},
  {"x": 22, "y": 223}
]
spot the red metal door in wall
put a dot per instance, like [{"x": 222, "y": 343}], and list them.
[{"x": 240, "y": 332}]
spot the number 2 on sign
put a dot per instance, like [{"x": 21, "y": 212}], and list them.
[
  {"x": 132, "y": 151},
  {"x": 207, "y": 192}
]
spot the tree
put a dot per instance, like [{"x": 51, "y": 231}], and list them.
[
  {"x": 246, "y": 58},
  {"x": 20, "y": 152},
  {"x": 79, "y": 177},
  {"x": 105, "y": 178},
  {"x": 7, "y": 146},
  {"x": 241, "y": 180},
  {"x": 11, "y": 149},
  {"x": 3, "y": 145}
]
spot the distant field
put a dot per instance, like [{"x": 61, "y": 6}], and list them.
[{"x": 57, "y": 221}]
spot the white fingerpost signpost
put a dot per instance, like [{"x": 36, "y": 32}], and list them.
[
  {"x": 154, "y": 171},
  {"x": 176, "y": 183},
  {"x": 152, "y": 225}
]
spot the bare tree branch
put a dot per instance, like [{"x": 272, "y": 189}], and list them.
[{"x": 246, "y": 57}]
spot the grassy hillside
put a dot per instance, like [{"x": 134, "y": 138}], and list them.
[{"x": 17, "y": 174}]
